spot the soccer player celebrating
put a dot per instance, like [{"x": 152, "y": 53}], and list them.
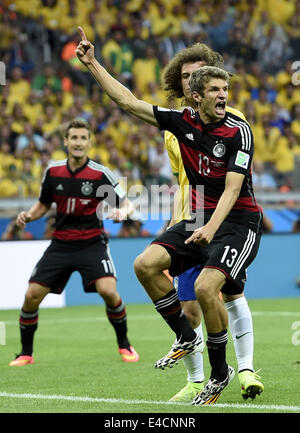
[
  {"x": 216, "y": 149},
  {"x": 176, "y": 78},
  {"x": 77, "y": 185}
]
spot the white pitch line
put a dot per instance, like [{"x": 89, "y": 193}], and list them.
[
  {"x": 143, "y": 317},
  {"x": 275, "y": 313},
  {"x": 280, "y": 408}
]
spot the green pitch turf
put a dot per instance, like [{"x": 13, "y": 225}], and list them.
[{"x": 78, "y": 369}]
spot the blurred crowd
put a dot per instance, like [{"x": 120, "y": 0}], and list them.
[{"x": 46, "y": 86}]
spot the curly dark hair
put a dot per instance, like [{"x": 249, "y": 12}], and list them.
[{"x": 171, "y": 76}]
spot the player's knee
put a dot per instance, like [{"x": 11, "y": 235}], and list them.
[
  {"x": 143, "y": 267},
  {"x": 108, "y": 293},
  {"x": 107, "y": 288},
  {"x": 34, "y": 296},
  {"x": 203, "y": 290}
]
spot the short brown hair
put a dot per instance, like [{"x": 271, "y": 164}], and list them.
[
  {"x": 78, "y": 123},
  {"x": 171, "y": 76},
  {"x": 202, "y": 76}
]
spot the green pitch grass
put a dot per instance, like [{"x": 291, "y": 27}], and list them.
[{"x": 78, "y": 369}]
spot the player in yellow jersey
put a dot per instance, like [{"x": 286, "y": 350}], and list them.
[{"x": 240, "y": 320}]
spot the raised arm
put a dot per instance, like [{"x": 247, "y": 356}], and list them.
[{"x": 120, "y": 94}]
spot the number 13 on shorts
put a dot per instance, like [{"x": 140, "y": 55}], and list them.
[{"x": 229, "y": 255}]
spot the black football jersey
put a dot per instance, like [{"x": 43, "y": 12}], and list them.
[
  {"x": 77, "y": 196},
  {"x": 209, "y": 152}
]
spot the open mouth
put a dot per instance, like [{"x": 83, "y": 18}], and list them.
[{"x": 220, "y": 108}]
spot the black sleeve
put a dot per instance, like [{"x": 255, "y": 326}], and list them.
[
  {"x": 45, "y": 192},
  {"x": 167, "y": 119},
  {"x": 110, "y": 190},
  {"x": 242, "y": 151}
]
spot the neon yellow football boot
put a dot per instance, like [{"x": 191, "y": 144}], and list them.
[
  {"x": 187, "y": 393},
  {"x": 250, "y": 385}
]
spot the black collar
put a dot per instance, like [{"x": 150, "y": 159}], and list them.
[
  {"x": 211, "y": 125},
  {"x": 77, "y": 169}
]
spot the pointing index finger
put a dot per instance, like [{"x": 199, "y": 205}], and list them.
[
  {"x": 189, "y": 240},
  {"x": 82, "y": 34}
]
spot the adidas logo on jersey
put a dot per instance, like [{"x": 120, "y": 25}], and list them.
[
  {"x": 59, "y": 187},
  {"x": 190, "y": 136}
]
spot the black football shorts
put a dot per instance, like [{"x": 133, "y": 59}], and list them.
[
  {"x": 61, "y": 259},
  {"x": 231, "y": 251}
]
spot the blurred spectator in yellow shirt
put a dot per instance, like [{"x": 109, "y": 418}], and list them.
[
  {"x": 265, "y": 137},
  {"x": 51, "y": 119},
  {"x": 6, "y": 158},
  {"x": 118, "y": 127},
  {"x": 50, "y": 12},
  {"x": 100, "y": 151},
  {"x": 100, "y": 19},
  {"x": 284, "y": 157},
  {"x": 63, "y": 102},
  {"x": 146, "y": 70},
  {"x": 8, "y": 34},
  {"x": 162, "y": 24},
  {"x": 288, "y": 96},
  {"x": 10, "y": 184},
  {"x": 31, "y": 184},
  {"x": 33, "y": 107},
  {"x": 283, "y": 77},
  {"x": 262, "y": 105},
  {"x": 253, "y": 75},
  {"x": 280, "y": 11},
  {"x": 19, "y": 89},
  {"x": 19, "y": 118},
  {"x": 72, "y": 16},
  {"x": 238, "y": 96}
]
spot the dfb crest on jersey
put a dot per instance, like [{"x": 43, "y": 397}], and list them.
[
  {"x": 219, "y": 149},
  {"x": 87, "y": 188}
]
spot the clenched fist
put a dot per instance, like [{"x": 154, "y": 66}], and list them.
[{"x": 22, "y": 219}]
